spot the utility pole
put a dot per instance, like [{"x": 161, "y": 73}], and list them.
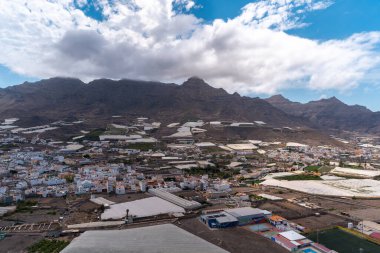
[
  {"x": 318, "y": 236},
  {"x": 360, "y": 249},
  {"x": 362, "y": 227}
]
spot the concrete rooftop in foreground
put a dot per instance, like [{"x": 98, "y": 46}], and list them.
[{"x": 166, "y": 238}]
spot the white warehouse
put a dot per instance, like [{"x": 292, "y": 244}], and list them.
[{"x": 187, "y": 204}]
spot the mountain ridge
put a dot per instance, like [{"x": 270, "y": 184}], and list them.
[
  {"x": 58, "y": 98},
  {"x": 331, "y": 114},
  {"x": 61, "y": 98}
]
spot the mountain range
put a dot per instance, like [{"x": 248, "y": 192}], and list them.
[
  {"x": 64, "y": 98},
  {"x": 331, "y": 114},
  {"x": 67, "y": 98}
]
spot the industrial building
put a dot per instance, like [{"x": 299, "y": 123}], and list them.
[
  {"x": 166, "y": 238},
  {"x": 235, "y": 217},
  {"x": 219, "y": 220},
  {"x": 248, "y": 215},
  {"x": 242, "y": 147},
  {"x": 356, "y": 173},
  {"x": 141, "y": 208},
  {"x": 187, "y": 204}
]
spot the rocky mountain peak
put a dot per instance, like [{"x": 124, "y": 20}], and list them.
[{"x": 278, "y": 99}]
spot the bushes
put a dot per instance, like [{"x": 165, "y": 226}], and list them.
[
  {"x": 25, "y": 206},
  {"x": 256, "y": 197},
  {"x": 8, "y": 147},
  {"x": 299, "y": 177},
  {"x": 70, "y": 178},
  {"x": 142, "y": 146},
  {"x": 94, "y": 135},
  {"x": 48, "y": 246},
  {"x": 312, "y": 168},
  {"x": 255, "y": 181},
  {"x": 212, "y": 172}
]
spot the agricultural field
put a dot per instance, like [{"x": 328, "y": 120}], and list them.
[
  {"x": 18, "y": 242},
  {"x": 343, "y": 242},
  {"x": 25, "y": 206},
  {"x": 48, "y": 246}
]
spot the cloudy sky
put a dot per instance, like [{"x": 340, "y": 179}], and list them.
[{"x": 304, "y": 49}]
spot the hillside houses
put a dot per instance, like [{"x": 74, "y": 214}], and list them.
[{"x": 133, "y": 157}]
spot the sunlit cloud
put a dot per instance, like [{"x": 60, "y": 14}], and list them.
[{"x": 162, "y": 40}]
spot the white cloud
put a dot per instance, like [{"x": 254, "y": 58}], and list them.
[
  {"x": 321, "y": 5},
  {"x": 148, "y": 39},
  {"x": 81, "y": 3},
  {"x": 279, "y": 14}
]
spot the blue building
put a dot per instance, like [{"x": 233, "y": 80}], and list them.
[
  {"x": 219, "y": 220},
  {"x": 235, "y": 217},
  {"x": 248, "y": 215}
]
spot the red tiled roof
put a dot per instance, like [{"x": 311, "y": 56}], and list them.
[
  {"x": 321, "y": 247},
  {"x": 375, "y": 235},
  {"x": 285, "y": 242}
]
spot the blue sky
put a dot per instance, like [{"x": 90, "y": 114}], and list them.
[
  {"x": 340, "y": 20},
  {"x": 8, "y": 77},
  {"x": 337, "y": 22}
]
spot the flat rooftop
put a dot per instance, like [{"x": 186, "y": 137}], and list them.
[
  {"x": 244, "y": 211},
  {"x": 166, "y": 238},
  {"x": 141, "y": 208}
]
